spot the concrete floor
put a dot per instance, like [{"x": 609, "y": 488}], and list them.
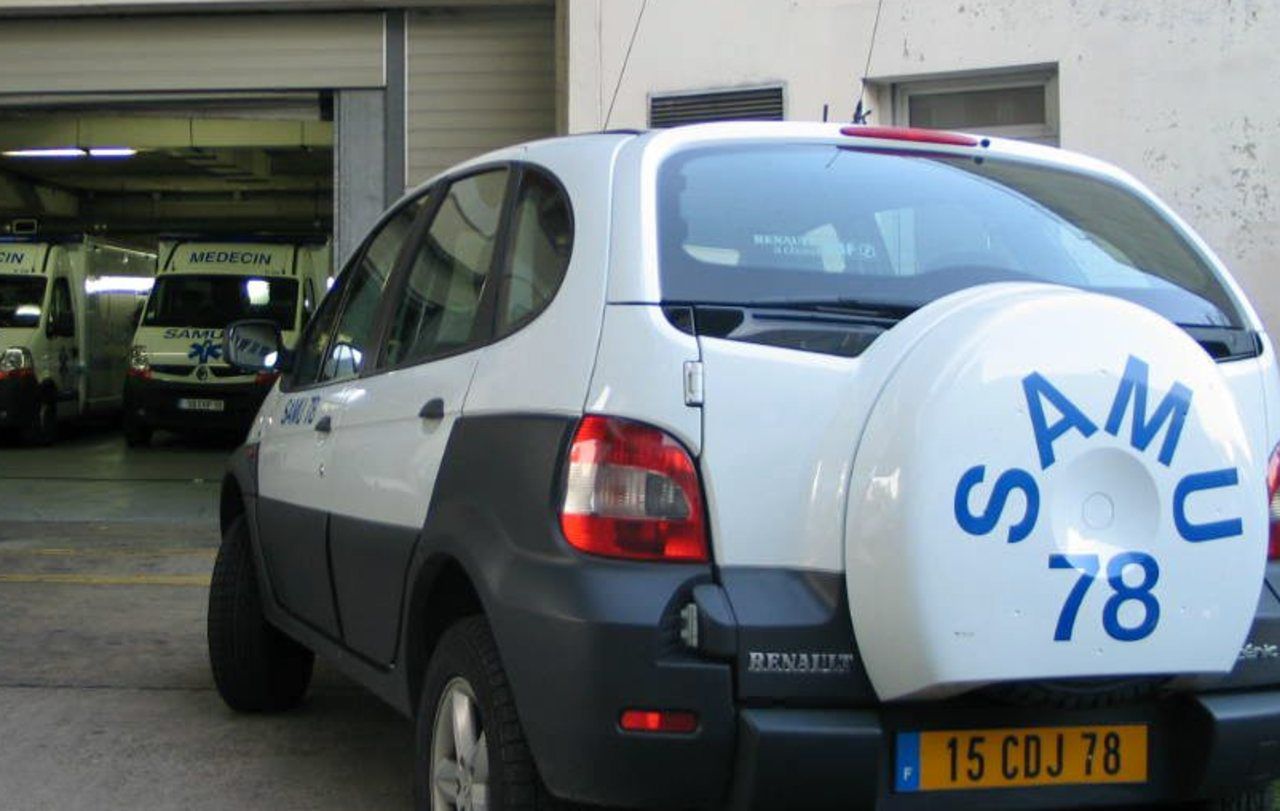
[{"x": 106, "y": 700}]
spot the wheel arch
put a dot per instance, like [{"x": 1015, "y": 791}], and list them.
[
  {"x": 442, "y": 593},
  {"x": 230, "y": 502}
]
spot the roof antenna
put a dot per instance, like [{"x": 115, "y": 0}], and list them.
[
  {"x": 625, "y": 61},
  {"x": 860, "y": 114}
]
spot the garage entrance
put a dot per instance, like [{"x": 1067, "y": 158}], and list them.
[
  {"x": 139, "y": 170},
  {"x": 147, "y": 131}
]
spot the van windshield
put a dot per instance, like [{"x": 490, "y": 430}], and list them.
[
  {"x": 21, "y": 300},
  {"x": 213, "y": 301},
  {"x": 778, "y": 224}
]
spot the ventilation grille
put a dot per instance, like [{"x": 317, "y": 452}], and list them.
[{"x": 756, "y": 104}]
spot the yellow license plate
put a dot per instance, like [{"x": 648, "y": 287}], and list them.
[{"x": 1019, "y": 757}]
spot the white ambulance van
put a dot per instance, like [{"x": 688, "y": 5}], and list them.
[
  {"x": 67, "y": 311},
  {"x": 177, "y": 379}
]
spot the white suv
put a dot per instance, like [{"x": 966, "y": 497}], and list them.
[{"x": 774, "y": 466}]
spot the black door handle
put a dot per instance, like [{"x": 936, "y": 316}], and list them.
[
  {"x": 433, "y": 410},
  {"x": 324, "y": 425}
]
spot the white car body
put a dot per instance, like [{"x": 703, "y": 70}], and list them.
[{"x": 866, "y": 544}]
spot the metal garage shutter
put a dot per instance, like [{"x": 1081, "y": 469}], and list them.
[
  {"x": 220, "y": 52},
  {"x": 477, "y": 81}
]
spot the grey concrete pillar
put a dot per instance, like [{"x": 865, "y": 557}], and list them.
[{"x": 359, "y": 167}]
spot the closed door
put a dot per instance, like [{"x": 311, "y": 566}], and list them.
[
  {"x": 296, "y": 456},
  {"x": 397, "y": 421},
  {"x": 63, "y": 360}
]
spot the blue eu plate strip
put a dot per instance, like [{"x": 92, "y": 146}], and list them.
[{"x": 907, "y": 763}]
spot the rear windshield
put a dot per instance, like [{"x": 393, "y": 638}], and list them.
[
  {"x": 813, "y": 223},
  {"x": 21, "y": 300},
  {"x": 213, "y": 301}
]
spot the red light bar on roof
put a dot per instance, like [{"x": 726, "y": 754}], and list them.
[{"x": 912, "y": 134}]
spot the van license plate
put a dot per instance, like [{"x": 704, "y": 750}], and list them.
[
  {"x": 201, "y": 405},
  {"x": 1020, "y": 757}
]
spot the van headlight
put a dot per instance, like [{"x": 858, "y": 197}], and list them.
[
  {"x": 16, "y": 361},
  {"x": 139, "y": 363}
]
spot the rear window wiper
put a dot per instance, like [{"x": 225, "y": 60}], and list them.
[{"x": 841, "y": 306}]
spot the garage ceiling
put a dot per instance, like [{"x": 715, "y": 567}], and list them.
[{"x": 221, "y": 167}]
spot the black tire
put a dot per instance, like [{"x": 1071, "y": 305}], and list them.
[
  {"x": 135, "y": 435},
  {"x": 255, "y": 667},
  {"x": 467, "y": 651},
  {"x": 43, "y": 429}
]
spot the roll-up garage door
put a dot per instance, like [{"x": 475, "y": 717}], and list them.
[
  {"x": 218, "y": 52},
  {"x": 477, "y": 81}
]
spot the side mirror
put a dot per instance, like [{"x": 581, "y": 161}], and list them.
[
  {"x": 255, "y": 345},
  {"x": 62, "y": 325}
]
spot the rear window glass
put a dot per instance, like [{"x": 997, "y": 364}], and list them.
[{"x": 811, "y": 223}]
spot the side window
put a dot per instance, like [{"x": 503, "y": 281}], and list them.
[
  {"x": 439, "y": 311},
  {"x": 308, "y": 300},
  {"x": 333, "y": 346},
  {"x": 60, "y": 305},
  {"x": 541, "y": 242},
  {"x": 315, "y": 340}
]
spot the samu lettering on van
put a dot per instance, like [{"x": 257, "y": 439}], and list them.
[
  {"x": 12, "y": 258},
  {"x": 193, "y": 334},
  {"x": 229, "y": 258}
]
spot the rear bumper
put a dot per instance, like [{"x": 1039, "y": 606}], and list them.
[
  {"x": 155, "y": 404},
  {"x": 1201, "y": 747},
  {"x": 18, "y": 400},
  {"x": 603, "y": 637}
]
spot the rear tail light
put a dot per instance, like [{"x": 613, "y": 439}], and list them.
[
  {"x": 1273, "y": 504},
  {"x": 670, "y": 721},
  {"x": 266, "y": 378},
  {"x": 633, "y": 493}
]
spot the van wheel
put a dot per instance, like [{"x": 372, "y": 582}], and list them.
[
  {"x": 255, "y": 666},
  {"x": 43, "y": 429},
  {"x": 136, "y": 436},
  {"x": 471, "y": 752}
]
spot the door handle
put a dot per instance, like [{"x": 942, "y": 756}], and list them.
[
  {"x": 433, "y": 410},
  {"x": 324, "y": 425}
]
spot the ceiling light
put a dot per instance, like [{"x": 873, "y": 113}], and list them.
[
  {"x": 112, "y": 152},
  {"x": 56, "y": 152}
]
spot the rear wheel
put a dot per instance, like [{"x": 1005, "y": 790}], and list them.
[
  {"x": 471, "y": 748},
  {"x": 256, "y": 667}
]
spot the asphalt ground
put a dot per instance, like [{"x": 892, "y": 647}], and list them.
[{"x": 106, "y": 700}]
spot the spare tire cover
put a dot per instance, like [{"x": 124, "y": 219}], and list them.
[{"x": 1051, "y": 484}]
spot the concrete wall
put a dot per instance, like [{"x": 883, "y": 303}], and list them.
[{"x": 1182, "y": 93}]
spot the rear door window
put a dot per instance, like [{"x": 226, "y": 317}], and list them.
[
  {"x": 777, "y": 224},
  {"x": 441, "y": 309}
]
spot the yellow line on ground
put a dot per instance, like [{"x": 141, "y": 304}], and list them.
[
  {"x": 90, "y": 552},
  {"x": 109, "y": 579}
]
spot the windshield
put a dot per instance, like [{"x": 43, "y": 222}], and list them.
[
  {"x": 815, "y": 223},
  {"x": 213, "y": 301},
  {"x": 21, "y": 300}
]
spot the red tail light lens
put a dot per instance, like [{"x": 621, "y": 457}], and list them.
[
  {"x": 913, "y": 135},
  {"x": 632, "y": 493},
  {"x": 1273, "y": 504},
  {"x": 266, "y": 378},
  {"x": 677, "y": 722}
]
